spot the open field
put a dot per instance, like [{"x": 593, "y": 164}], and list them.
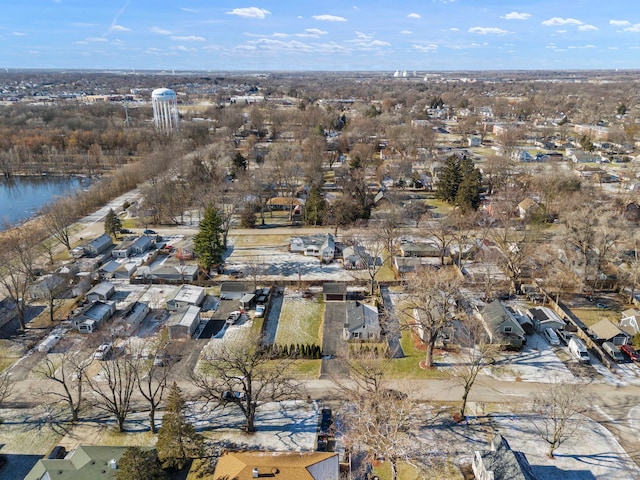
[{"x": 300, "y": 321}]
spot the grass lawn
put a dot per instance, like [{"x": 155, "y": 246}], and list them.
[
  {"x": 409, "y": 366},
  {"x": 300, "y": 321},
  {"x": 306, "y": 369},
  {"x": 405, "y": 472},
  {"x": 259, "y": 239},
  {"x": 591, "y": 316}
]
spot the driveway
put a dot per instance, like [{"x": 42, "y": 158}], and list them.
[{"x": 333, "y": 345}]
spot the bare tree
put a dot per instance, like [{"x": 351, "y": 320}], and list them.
[
  {"x": 115, "y": 385},
  {"x": 17, "y": 269},
  {"x": 6, "y": 386},
  {"x": 561, "y": 408},
  {"x": 377, "y": 419},
  {"x": 516, "y": 252},
  {"x": 152, "y": 387},
  {"x": 58, "y": 220},
  {"x": 243, "y": 375},
  {"x": 255, "y": 267},
  {"x": 442, "y": 233},
  {"x": 69, "y": 375},
  {"x": 476, "y": 352},
  {"x": 432, "y": 302}
]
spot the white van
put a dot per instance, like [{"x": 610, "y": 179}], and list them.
[
  {"x": 579, "y": 350},
  {"x": 613, "y": 351},
  {"x": 551, "y": 336}
]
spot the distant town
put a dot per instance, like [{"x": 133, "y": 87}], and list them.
[{"x": 327, "y": 275}]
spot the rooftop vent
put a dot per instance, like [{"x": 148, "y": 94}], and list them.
[{"x": 256, "y": 473}]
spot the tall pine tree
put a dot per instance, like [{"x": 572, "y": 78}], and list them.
[
  {"x": 207, "y": 243},
  {"x": 178, "y": 441},
  {"x": 140, "y": 464},
  {"x": 449, "y": 179},
  {"x": 112, "y": 223},
  {"x": 460, "y": 182}
]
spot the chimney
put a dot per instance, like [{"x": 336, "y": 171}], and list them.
[{"x": 256, "y": 473}]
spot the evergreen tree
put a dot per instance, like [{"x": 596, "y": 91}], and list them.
[
  {"x": 207, "y": 243},
  {"x": 112, "y": 223},
  {"x": 178, "y": 441},
  {"x": 140, "y": 464},
  {"x": 315, "y": 208},
  {"x": 449, "y": 180}
]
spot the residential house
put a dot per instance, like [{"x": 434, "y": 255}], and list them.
[
  {"x": 184, "y": 296},
  {"x": 361, "y": 322},
  {"x": 334, "y": 292},
  {"x": 85, "y": 462},
  {"x": 184, "y": 322},
  {"x": 46, "y": 286},
  {"x": 168, "y": 273},
  {"x": 101, "y": 291},
  {"x": 355, "y": 258},
  {"x": 131, "y": 319},
  {"x": 422, "y": 249},
  {"x": 92, "y": 317},
  {"x": 501, "y": 463},
  {"x": 118, "y": 270},
  {"x": 544, "y": 317},
  {"x": 630, "y": 321},
  {"x": 527, "y": 207},
  {"x": 501, "y": 325},
  {"x": 251, "y": 464},
  {"x": 98, "y": 245},
  {"x": 136, "y": 246},
  {"x": 607, "y": 331},
  {"x": 404, "y": 265},
  {"x": 321, "y": 245}
]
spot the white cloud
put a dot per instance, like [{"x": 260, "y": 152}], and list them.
[
  {"x": 414, "y": 15},
  {"x": 620, "y": 23},
  {"x": 18, "y": 34},
  {"x": 516, "y": 16},
  {"x": 250, "y": 12},
  {"x": 633, "y": 28},
  {"x": 329, "y": 18},
  {"x": 119, "y": 28},
  {"x": 425, "y": 48},
  {"x": 363, "y": 36},
  {"x": 487, "y": 31},
  {"x": 557, "y": 21},
  {"x": 587, "y": 28},
  {"x": 188, "y": 38},
  {"x": 406, "y": 32},
  {"x": 96, "y": 39},
  {"x": 454, "y": 29},
  {"x": 159, "y": 31},
  {"x": 315, "y": 31}
]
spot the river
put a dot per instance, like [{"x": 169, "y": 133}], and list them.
[{"x": 22, "y": 197}]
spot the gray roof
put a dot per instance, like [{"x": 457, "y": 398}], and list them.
[
  {"x": 605, "y": 329},
  {"x": 358, "y": 315},
  {"x": 504, "y": 462},
  {"x": 496, "y": 314},
  {"x": 334, "y": 288}
]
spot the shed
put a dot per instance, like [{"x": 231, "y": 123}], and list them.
[
  {"x": 234, "y": 290},
  {"x": 247, "y": 301},
  {"x": 334, "y": 292},
  {"x": 184, "y": 322},
  {"x": 630, "y": 321}
]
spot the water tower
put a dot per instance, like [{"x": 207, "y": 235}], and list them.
[{"x": 165, "y": 109}]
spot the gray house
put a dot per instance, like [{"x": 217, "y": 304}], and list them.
[
  {"x": 98, "y": 245},
  {"x": 544, "y": 317},
  {"x": 361, "y": 322},
  {"x": 94, "y": 316},
  {"x": 46, "y": 286},
  {"x": 501, "y": 463},
  {"x": 501, "y": 325},
  {"x": 137, "y": 246},
  {"x": 184, "y": 296},
  {"x": 101, "y": 291}
]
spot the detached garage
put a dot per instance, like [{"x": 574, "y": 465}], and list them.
[{"x": 184, "y": 322}]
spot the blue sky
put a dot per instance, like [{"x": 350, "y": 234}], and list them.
[{"x": 422, "y": 35}]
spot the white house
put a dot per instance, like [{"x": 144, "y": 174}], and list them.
[{"x": 184, "y": 296}]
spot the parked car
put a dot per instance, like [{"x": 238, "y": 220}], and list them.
[
  {"x": 579, "y": 350},
  {"x": 632, "y": 353},
  {"x": 230, "y": 396},
  {"x": 563, "y": 335},
  {"x": 102, "y": 351},
  {"x": 234, "y": 317},
  {"x": 550, "y": 336},
  {"x": 613, "y": 351},
  {"x": 260, "y": 310},
  {"x": 125, "y": 231},
  {"x": 148, "y": 231}
]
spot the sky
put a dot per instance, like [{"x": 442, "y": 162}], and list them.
[{"x": 302, "y": 35}]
